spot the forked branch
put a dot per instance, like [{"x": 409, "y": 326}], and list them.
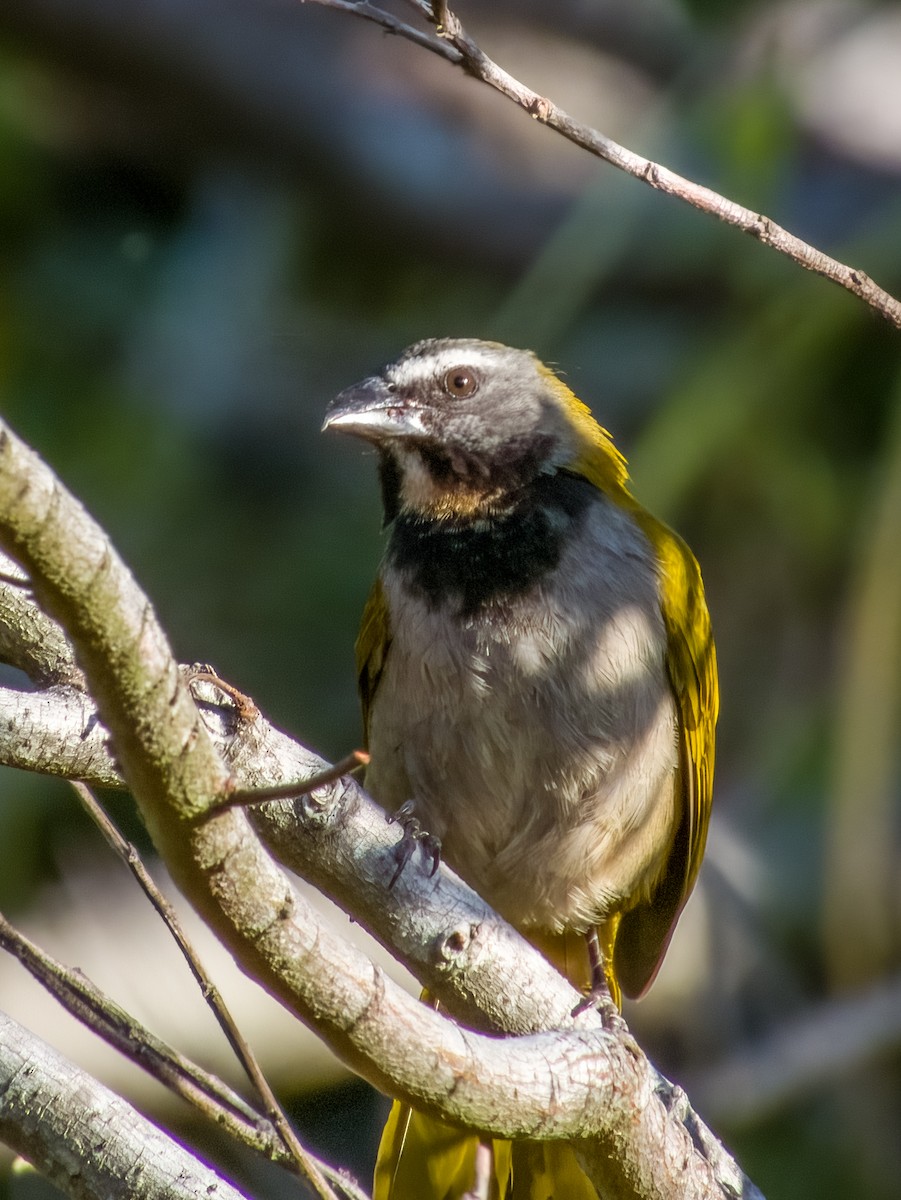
[{"x": 633, "y": 1131}]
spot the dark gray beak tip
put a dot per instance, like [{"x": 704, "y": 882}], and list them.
[
  {"x": 355, "y": 402},
  {"x": 371, "y": 410}
]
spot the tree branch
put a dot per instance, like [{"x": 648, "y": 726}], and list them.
[
  {"x": 475, "y": 62},
  {"x": 166, "y": 31},
  {"x": 29, "y": 640},
  {"x": 306, "y": 1165},
  {"x": 390, "y": 24},
  {"x": 85, "y": 1138},
  {"x": 633, "y": 1130},
  {"x": 56, "y": 731},
  {"x": 205, "y": 1092}
]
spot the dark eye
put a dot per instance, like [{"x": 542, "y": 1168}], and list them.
[{"x": 461, "y": 382}]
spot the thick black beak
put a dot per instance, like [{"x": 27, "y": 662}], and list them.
[{"x": 372, "y": 409}]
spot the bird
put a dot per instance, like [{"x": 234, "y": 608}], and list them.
[{"x": 537, "y": 674}]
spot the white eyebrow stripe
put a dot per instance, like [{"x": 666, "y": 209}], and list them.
[{"x": 438, "y": 362}]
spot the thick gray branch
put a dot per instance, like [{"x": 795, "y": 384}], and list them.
[
  {"x": 442, "y": 930},
  {"x": 55, "y": 731},
  {"x": 581, "y": 1083},
  {"x": 29, "y": 640},
  {"x": 85, "y": 1138}
]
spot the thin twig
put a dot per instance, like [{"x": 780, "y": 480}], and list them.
[
  {"x": 204, "y": 1091},
  {"x": 80, "y": 997},
  {"x": 309, "y": 1170},
  {"x": 369, "y": 12},
  {"x": 300, "y": 787},
  {"x": 244, "y": 706},
  {"x": 457, "y": 47}
]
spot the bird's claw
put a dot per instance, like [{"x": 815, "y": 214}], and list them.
[
  {"x": 599, "y": 995},
  {"x": 599, "y": 998},
  {"x": 413, "y": 835}
]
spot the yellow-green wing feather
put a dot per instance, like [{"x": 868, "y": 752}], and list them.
[
  {"x": 371, "y": 650},
  {"x": 646, "y": 929},
  {"x": 422, "y": 1158},
  {"x": 691, "y": 661}
]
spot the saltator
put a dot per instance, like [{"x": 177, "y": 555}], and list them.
[{"x": 538, "y": 675}]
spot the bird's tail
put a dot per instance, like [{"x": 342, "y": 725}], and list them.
[{"x": 422, "y": 1158}]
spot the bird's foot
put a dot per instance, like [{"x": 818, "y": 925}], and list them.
[
  {"x": 599, "y": 998},
  {"x": 599, "y": 995},
  {"x": 413, "y": 835}
]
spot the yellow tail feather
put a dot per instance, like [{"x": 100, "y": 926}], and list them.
[{"x": 421, "y": 1158}]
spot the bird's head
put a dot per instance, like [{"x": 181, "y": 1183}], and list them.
[{"x": 464, "y": 426}]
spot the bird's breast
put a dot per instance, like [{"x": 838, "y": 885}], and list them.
[{"x": 534, "y": 726}]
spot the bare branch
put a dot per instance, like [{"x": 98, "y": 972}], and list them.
[
  {"x": 56, "y": 731},
  {"x": 370, "y": 12},
  {"x": 29, "y": 640},
  {"x": 306, "y": 1164},
  {"x": 475, "y": 62},
  {"x": 581, "y": 1083},
  {"x": 205, "y": 1092},
  {"x": 299, "y": 787},
  {"x": 80, "y": 997},
  {"x": 85, "y": 1138}
]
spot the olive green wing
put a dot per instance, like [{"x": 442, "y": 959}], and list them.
[
  {"x": 691, "y": 662},
  {"x": 645, "y": 930},
  {"x": 371, "y": 650}
]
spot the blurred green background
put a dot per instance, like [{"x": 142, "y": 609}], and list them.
[{"x": 214, "y": 215}]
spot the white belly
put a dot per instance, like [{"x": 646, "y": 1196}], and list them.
[{"x": 538, "y": 738}]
